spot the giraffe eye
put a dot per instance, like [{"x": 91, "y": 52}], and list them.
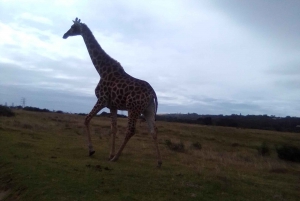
[{"x": 74, "y": 27}]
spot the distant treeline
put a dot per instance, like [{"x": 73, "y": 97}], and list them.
[
  {"x": 33, "y": 109},
  {"x": 265, "y": 122},
  {"x": 36, "y": 109},
  {"x": 6, "y": 111}
]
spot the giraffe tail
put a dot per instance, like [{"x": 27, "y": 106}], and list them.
[{"x": 156, "y": 104}]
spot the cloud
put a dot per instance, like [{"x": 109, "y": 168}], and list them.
[
  {"x": 35, "y": 18},
  {"x": 212, "y": 57},
  {"x": 276, "y": 22},
  {"x": 47, "y": 98}
]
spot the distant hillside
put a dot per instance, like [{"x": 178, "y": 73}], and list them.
[{"x": 265, "y": 122}]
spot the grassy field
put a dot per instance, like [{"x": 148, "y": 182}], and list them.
[{"x": 43, "y": 156}]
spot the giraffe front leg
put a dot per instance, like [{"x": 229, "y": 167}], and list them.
[
  {"x": 90, "y": 146},
  {"x": 98, "y": 106},
  {"x": 113, "y": 113}
]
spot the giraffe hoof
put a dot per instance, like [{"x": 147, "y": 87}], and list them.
[
  {"x": 159, "y": 164},
  {"x": 113, "y": 159},
  {"x": 91, "y": 153}
]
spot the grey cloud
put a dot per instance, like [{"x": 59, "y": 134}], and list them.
[
  {"x": 277, "y": 20},
  {"x": 216, "y": 107},
  {"x": 59, "y": 78},
  {"x": 285, "y": 76},
  {"x": 285, "y": 69},
  {"x": 46, "y": 98}
]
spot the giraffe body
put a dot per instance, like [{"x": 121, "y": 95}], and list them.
[
  {"x": 117, "y": 90},
  {"x": 124, "y": 92}
]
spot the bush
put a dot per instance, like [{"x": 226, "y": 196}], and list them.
[
  {"x": 207, "y": 121},
  {"x": 196, "y": 145},
  {"x": 6, "y": 111},
  {"x": 289, "y": 153},
  {"x": 35, "y": 109},
  {"x": 264, "y": 150},
  {"x": 175, "y": 146}
]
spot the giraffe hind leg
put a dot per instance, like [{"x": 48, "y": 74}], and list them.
[
  {"x": 149, "y": 115},
  {"x": 98, "y": 106},
  {"x": 132, "y": 117}
]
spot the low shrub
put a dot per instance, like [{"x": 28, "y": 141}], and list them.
[
  {"x": 264, "y": 149},
  {"x": 196, "y": 145},
  {"x": 35, "y": 109},
  {"x": 175, "y": 146},
  {"x": 235, "y": 144},
  {"x": 6, "y": 111},
  {"x": 288, "y": 153}
]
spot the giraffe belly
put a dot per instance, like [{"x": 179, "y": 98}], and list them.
[
  {"x": 119, "y": 104},
  {"x": 127, "y": 103},
  {"x": 118, "y": 107}
]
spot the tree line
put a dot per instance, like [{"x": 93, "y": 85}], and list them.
[{"x": 264, "y": 122}]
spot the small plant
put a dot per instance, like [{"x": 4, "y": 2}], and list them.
[
  {"x": 168, "y": 143},
  {"x": 288, "y": 152},
  {"x": 196, "y": 145},
  {"x": 27, "y": 126},
  {"x": 264, "y": 149},
  {"x": 235, "y": 144},
  {"x": 175, "y": 146},
  {"x": 6, "y": 111}
]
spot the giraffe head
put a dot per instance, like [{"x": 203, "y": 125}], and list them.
[{"x": 75, "y": 29}]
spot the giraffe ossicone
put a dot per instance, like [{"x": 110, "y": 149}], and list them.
[
  {"x": 117, "y": 90},
  {"x": 76, "y": 20}
]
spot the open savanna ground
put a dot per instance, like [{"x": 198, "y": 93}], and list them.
[{"x": 44, "y": 156}]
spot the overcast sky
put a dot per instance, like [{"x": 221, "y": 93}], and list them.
[{"x": 208, "y": 57}]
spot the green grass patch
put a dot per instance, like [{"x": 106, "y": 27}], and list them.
[
  {"x": 196, "y": 145},
  {"x": 179, "y": 147},
  {"x": 263, "y": 149},
  {"x": 44, "y": 156}
]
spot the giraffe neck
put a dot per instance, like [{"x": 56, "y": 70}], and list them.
[{"x": 103, "y": 63}]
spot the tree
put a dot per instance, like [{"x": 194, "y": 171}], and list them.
[{"x": 207, "y": 121}]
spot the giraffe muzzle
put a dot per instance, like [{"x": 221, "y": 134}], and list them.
[{"x": 65, "y": 36}]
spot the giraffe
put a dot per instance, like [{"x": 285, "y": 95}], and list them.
[{"x": 117, "y": 90}]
